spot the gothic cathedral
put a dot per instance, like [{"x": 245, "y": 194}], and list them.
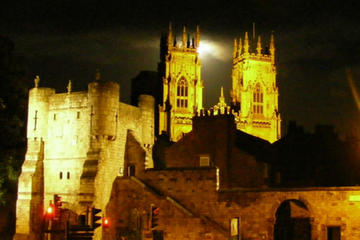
[
  {"x": 254, "y": 94},
  {"x": 182, "y": 84}
]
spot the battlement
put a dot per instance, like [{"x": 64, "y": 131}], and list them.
[{"x": 215, "y": 112}]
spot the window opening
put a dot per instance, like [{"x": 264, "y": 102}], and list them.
[
  {"x": 182, "y": 94},
  {"x": 131, "y": 170},
  {"x": 258, "y": 100},
  {"x": 333, "y": 233},
  {"x": 61, "y": 175},
  {"x": 68, "y": 175},
  {"x": 35, "y": 119},
  {"x": 204, "y": 161}
]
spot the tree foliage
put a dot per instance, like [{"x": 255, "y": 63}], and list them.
[{"x": 13, "y": 105}]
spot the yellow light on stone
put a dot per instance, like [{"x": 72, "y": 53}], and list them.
[{"x": 354, "y": 198}]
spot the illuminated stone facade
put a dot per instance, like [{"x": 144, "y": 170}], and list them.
[
  {"x": 254, "y": 92},
  {"x": 182, "y": 84},
  {"x": 76, "y": 143},
  {"x": 93, "y": 150}
]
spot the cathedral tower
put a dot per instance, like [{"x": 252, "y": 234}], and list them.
[
  {"x": 254, "y": 92},
  {"x": 180, "y": 70}
]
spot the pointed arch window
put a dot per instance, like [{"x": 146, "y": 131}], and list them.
[
  {"x": 182, "y": 93},
  {"x": 258, "y": 100}
]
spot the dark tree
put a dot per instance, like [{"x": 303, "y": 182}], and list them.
[{"x": 13, "y": 107}]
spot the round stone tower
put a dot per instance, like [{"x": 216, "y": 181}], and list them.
[
  {"x": 30, "y": 200},
  {"x": 38, "y": 112},
  {"x": 104, "y": 105}
]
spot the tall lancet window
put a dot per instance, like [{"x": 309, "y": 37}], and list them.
[
  {"x": 258, "y": 100},
  {"x": 182, "y": 94}
]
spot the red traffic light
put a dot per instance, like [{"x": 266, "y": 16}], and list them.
[
  {"x": 50, "y": 211},
  {"x": 155, "y": 211},
  {"x": 106, "y": 222},
  {"x": 154, "y": 217}
]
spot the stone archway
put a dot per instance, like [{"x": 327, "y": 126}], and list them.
[{"x": 292, "y": 221}]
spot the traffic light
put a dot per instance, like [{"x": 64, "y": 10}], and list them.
[
  {"x": 50, "y": 211},
  {"x": 57, "y": 201},
  {"x": 95, "y": 218},
  {"x": 106, "y": 222},
  {"x": 154, "y": 216},
  {"x": 57, "y": 205}
]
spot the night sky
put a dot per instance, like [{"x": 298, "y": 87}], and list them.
[{"x": 315, "y": 42}]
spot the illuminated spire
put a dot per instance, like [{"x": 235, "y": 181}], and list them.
[
  {"x": 272, "y": 47},
  {"x": 246, "y": 43},
  {"x": 170, "y": 35},
  {"x": 222, "y": 98},
  {"x": 235, "y": 53},
  {"x": 184, "y": 37},
  {"x": 258, "y": 48},
  {"x": 221, "y": 106},
  {"x": 197, "y": 36},
  {"x": 240, "y": 47}
]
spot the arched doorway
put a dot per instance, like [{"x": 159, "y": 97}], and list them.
[{"x": 292, "y": 221}]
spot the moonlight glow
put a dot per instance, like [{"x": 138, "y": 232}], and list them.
[
  {"x": 209, "y": 48},
  {"x": 205, "y": 48}
]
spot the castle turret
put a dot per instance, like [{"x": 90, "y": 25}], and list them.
[
  {"x": 38, "y": 111},
  {"x": 104, "y": 105},
  {"x": 30, "y": 203}
]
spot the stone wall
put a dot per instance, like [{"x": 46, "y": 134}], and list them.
[
  {"x": 188, "y": 211},
  {"x": 333, "y": 206}
]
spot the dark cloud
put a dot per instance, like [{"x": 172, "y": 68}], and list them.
[{"x": 315, "y": 41}]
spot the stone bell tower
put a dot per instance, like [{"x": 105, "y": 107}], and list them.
[
  {"x": 180, "y": 69},
  {"x": 254, "y": 92}
]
